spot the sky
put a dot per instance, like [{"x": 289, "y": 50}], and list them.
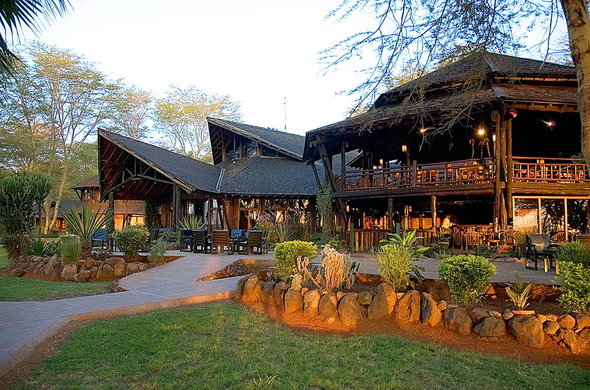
[{"x": 258, "y": 52}]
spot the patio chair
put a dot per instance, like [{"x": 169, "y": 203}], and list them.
[
  {"x": 253, "y": 240},
  {"x": 237, "y": 234},
  {"x": 220, "y": 238},
  {"x": 100, "y": 237},
  {"x": 200, "y": 241},
  {"x": 186, "y": 240},
  {"x": 539, "y": 245}
]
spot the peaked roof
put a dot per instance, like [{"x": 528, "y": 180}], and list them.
[
  {"x": 91, "y": 182},
  {"x": 477, "y": 66},
  {"x": 287, "y": 143},
  {"x": 189, "y": 173}
]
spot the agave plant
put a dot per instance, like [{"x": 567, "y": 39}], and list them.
[
  {"x": 407, "y": 239},
  {"x": 191, "y": 223},
  {"x": 86, "y": 223},
  {"x": 518, "y": 293}
]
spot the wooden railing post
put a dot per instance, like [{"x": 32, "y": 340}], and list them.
[{"x": 414, "y": 172}]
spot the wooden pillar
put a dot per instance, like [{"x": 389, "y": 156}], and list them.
[
  {"x": 503, "y": 215},
  {"x": 565, "y": 216},
  {"x": 498, "y": 169},
  {"x": 509, "y": 167},
  {"x": 390, "y": 222},
  {"x": 539, "y": 227},
  {"x": 433, "y": 209},
  {"x": 210, "y": 214},
  {"x": 406, "y": 218},
  {"x": 176, "y": 208}
]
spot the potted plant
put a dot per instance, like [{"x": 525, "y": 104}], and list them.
[{"x": 519, "y": 294}]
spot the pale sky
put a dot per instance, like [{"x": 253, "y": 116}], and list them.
[{"x": 256, "y": 51}]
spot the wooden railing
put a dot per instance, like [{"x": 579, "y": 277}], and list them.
[
  {"x": 550, "y": 170},
  {"x": 417, "y": 175},
  {"x": 525, "y": 169},
  {"x": 365, "y": 240}
]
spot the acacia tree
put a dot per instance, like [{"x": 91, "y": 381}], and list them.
[
  {"x": 132, "y": 107},
  {"x": 182, "y": 116},
  {"x": 58, "y": 99},
  {"x": 418, "y": 33}
]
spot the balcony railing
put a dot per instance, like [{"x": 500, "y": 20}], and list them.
[{"x": 472, "y": 171}]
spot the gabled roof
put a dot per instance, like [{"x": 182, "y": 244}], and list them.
[
  {"x": 283, "y": 142},
  {"x": 267, "y": 176},
  {"x": 479, "y": 66},
  {"x": 91, "y": 182},
  {"x": 189, "y": 173}
]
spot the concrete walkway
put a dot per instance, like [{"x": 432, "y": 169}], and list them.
[{"x": 24, "y": 325}]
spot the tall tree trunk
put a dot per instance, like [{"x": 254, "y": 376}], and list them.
[
  {"x": 578, "y": 25},
  {"x": 60, "y": 191}
]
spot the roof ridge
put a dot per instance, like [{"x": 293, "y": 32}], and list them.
[{"x": 250, "y": 162}]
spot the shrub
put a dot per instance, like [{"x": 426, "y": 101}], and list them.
[
  {"x": 170, "y": 236},
  {"x": 575, "y": 252},
  {"x": 16, "y": 245},
  {"x": 337, "y": 269},
  {"x": 157, "y": 250},
  {"x": 394, "y": 263},
  {"x": 574, "y": 287},
  {"x": 437, "y": 253},
  {"x": 467, "y": 276},
  {"x": 519, "y": 293},
  {"x": 131, "y": 240},
  {"x": 71, "y": 250},
  {"x": 37, "y": 248},
  {"x": 286, "y": 254},
  {"x": 407, "y": 239},
  {"x": 192, "y": 223}
]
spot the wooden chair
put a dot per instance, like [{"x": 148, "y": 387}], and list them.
[
  {"x": 200, "y": 241},
  {"x": 253, "y": 240},
  {"x": 186, "y": 240},
  {"x": 220, "y": 238}
]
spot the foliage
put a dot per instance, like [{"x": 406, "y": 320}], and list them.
[
  {"x": 289, "y": 228},
  {"x": 85, "y": 224},
  {"x": 519, "y": 293},
  {"x": 192, "y": 222},
  {"x": 170, "y": 236},
  {"x": 152, "y": 215},
  {"x": 71, "y": 250},
  {"x": 158, "y": 250},
  {"x": 16, "y": 245},
  {"x": 37, "y": 248},
  {"x": 131, "y": 240},
  {"x": 574, "y": 287},
  {"x": 286, "y": 254},
  {"x": 436, "y": 253},
  {"x": 21, "y": 196},
  {"x": 467, "y": 276},
  {"x": 181, "y": 117},
  {"x": 169, "y": 339},
  {"x": 406, "y": 239},
  {"x": 394, "y": 263},
  {"x": 132, "y": 108},
  {"x": 337, "y": 269},
  {"x": 575, "y": 252},
  {"x": 483, "y": 250},
  {"x": 324, "y": 206}
]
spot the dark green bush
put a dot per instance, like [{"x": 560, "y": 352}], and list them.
[
  {"x": 574, "y": 287},
  {"x": 286, "y": 254},
  {"x": 71, "y": 250},
  {"x": 131, "y": 240},
  {"x": 467, "y": 276},
  {"x": 170, "y": 236},
  {"x": 574, "y": 252},
  {"x": 158, "y": 250}
]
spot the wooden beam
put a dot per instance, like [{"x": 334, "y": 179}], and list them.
[
  {"x": 497, "y": 159},
  {"x": 433, "y": 211},
  {"x": 509, "y": 165},
  {"x": 390, "y": 222}
]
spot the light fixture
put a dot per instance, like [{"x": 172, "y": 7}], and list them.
[
  {"x": 481, "y": 131},
  {"x": 374, "y": 166},
  {"x": 404, "y": 148},
  {"x": 510, "y": 114},
  {"x": 381, "y": 161},
  {"x": 494, "y": 137},
  {"x": 549, "y": 123},
  {"x": 422, "y": 130}
]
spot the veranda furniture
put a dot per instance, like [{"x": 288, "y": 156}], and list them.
[
  {"x": 100, "y": 238},
  {"x": 220, "y": 238},
  {"x": 200, "y": 241},
  {"x": 540, "y": 246},
  {"x": 253, "y": 241},
  {"x": 186, "y": 240}
]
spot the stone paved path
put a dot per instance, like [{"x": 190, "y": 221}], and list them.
[{"x": 23, "y": 325}]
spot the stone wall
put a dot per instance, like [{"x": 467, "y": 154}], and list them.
[
  {"x": 351, "y": 308},
  {"x": 84, "y": 271}
]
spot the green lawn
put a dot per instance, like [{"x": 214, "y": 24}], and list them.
[
  {"x": 24, "y": 289},
  {"x": 221, "y": 345}
]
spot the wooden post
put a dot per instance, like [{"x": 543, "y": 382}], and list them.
[
  {"x": 433, "y": 208},
  {"x": 390, "y": 222},
  {"x": 503, "y": 215},
  {"x": 111, "y": 210},
  {"x": 177, "y": 212},
  {"x": 539, "y": 228},
  {"x": 498, "y": 169},
  {"x": 509, "y": 166},
  {"x": 565, "y": 224},
  {"x": 314, "y": 169},
  {"x": 414, "y": 172},
  {"x": 210, "y": 214}
]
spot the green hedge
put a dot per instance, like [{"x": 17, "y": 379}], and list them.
[
  {"x": 286, "y": 254},
  {"x": 467, "y": 276}
]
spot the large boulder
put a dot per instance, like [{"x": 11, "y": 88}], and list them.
[
  {"x": 50, "y": 265},
  {"x": 267, "y": 290},
  {"x": 582, "y": 321},
  {"x": 252, "y": 289},
  {"x": 311, "y": 302},
  {"x": 478, "y": 314},
  {"x": 566, "y": 321},
  {"x": 383, "y": 302},
  {"x": 293, "y": 301},
  {"x": 105, "y": 271},
  {"x": 328, "y": 308},
  {"x": 68, "y": 272},
  {"x": 430, "y": 314},
  {"x": 491, "y": 327},
  {"x": 279, "y": 292},
  {"x": 550, "y": 327},
  {"x": 584, "y": 338},
  {"x": 82, "y": 276},
  {"x": 132, "y": 268},
  {"x": 119, "y": 268},
  {"x": 351, "y": 312},
  {"x": 18, "y": 272},
  {"x": 528, "y": 330},
  {"x": 240, "y": 286},
  {"x": 568, "y": 338},
  {"x": 407, "y": 307},
  {"x": 458, "y": 320}
]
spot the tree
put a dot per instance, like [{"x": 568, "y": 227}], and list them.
[
  {"x": 132, "y": 108},
  {"x": 56, "y": 99},
  {"x": 182, "y": 116},
  {"x": 18, "y": 14},
  {"x": 418, "y": 33}
]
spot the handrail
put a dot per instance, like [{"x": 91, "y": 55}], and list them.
[{"x": 550, "y": 170}]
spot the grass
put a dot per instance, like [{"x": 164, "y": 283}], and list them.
[
  {"x": 25, "y": 289},
  {"x": 222, "y": 345}
]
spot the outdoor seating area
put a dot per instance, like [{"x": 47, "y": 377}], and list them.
[{"x": 241, "y": 241}]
